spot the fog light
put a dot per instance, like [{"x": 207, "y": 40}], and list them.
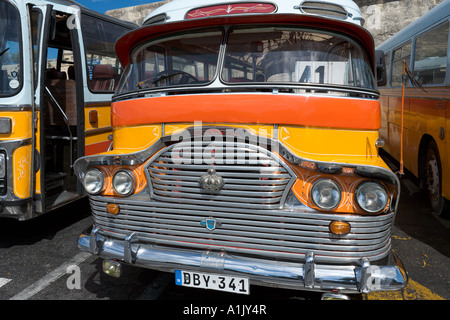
[
  {"x": 372, "y": 197},
  {"x": 112, "y": 208},
  {"x": 112, "y": 268},
  {"x": 326, "y": 194},
  {"x": 123, "y": 182},
  {"x": 93, "y": 181},
  {"x": 339, "y": 227}
]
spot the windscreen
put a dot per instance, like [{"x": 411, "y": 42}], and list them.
[
  {"x": 294, "y": 56},
  {"x": 253, "y": 56},
  {"x": 10, "y": 50},
  {"x": 182, "y": 59}
]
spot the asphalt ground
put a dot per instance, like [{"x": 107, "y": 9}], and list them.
[{"x": 39, "y": 260}]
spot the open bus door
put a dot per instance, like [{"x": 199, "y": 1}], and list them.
[{"x": 58, "y": 106}]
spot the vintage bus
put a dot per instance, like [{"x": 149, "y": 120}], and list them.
[
  {"x": 245, "y": 151},
  {"x": 424, "y": 146},
  {"x": 58, "y": 71}
]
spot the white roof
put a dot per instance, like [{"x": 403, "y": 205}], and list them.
[{"x": 176, "y": 10}]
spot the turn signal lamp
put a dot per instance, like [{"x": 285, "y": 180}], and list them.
[
  {"x": 112, "y": 208},
  {"x": 112, "y": 268},
  {"x": 339, "y": 227}
]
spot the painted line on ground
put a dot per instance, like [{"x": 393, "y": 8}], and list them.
[
  {"x": 54, "y": 275},
  {"x": 4, "y": 281}
]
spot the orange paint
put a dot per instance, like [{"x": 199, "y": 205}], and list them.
[{"x": 315, "y": 111}]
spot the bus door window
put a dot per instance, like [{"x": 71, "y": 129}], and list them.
[
  {"x": 430, "y": 60},
  {"x": 104, "y": 68},
  {"x": 401, "y": 54},
  {"x": 60, "y": 114}
]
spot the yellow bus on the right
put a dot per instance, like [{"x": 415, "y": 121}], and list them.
[{"x": 415, "y": 109}]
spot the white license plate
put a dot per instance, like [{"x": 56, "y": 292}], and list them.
[{"x": 212, "y": 281}]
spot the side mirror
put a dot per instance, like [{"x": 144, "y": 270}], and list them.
[{"x": 380, "y": 63}]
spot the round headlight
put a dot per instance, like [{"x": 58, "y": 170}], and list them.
[
  {"x": 372, "y": 197},
  {"x": 93, "y": 181},
  {"x": 326, "y": 194},
  {"x": 123, "y": 183}
]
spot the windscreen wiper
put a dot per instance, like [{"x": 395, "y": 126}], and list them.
[{"x": 3, "y": 52}]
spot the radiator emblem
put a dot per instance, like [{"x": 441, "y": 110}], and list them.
[
  {"x": 211, "y": 182},
  {"x": 210, "y": 223}
]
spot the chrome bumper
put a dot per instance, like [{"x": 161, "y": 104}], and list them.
[{"x": 362, "y": 278}]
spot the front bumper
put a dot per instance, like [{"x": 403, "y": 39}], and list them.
[{"x": 361, "y": 278}]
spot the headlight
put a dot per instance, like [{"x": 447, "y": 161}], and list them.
[
  {"x": 326, "y": 194},
  {"x": 123, "y": 183},
  {"x": 2, "y": 165},
  {"x": 372, "y": 197},
  {"x": 93, "y": 181}
]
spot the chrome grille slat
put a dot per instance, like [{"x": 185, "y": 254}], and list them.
[
  {"x": 224, "y": 174},
  {"x": 236, "y": 228},
  {"x": 253, "y": 177},
  {"x": 227, "y": 180}
]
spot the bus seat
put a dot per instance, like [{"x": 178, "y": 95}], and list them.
[
  {"x": 102, "y": 78},
  {"x": 71, "y": 72},
  {"x": 64, "y": 92},
  {"x": 52, "y": 73}
]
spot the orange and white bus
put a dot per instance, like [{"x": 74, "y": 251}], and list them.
[
  {"x": 58, "y": 71},
  {"x": 423, "y": 147},
  {"x": 245, "y": 151}
]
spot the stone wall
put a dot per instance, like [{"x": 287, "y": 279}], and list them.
[
  {"x": 135, "y": 14},
  {"x": 384, "y": 18}
]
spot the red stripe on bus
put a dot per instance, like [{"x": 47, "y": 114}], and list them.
[{"x": 96, "y": 148}]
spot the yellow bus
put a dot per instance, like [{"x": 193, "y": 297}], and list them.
[
  {"x": 58, "y": 71},
  {"x": 424, "y": 147},
  {"x": 245, "y": 151}
]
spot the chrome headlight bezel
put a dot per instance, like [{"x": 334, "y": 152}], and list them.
[
  {"x": 378, "y": 189},
  {"x": 124, "y": 183},
  {"x": 318, "y": 189},
  {"x": 96, "y": 177}
]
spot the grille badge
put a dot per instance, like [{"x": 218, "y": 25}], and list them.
[
  {"x": 211, "y": 182},
  {"x": 210, "y": 223}
]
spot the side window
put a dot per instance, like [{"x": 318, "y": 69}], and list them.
[
  {"x": 400, "y": 55},
  {"x": 387, "y": 58},
  {"x": 103, "y": 65},
  {"x": 430, "y": 62}
]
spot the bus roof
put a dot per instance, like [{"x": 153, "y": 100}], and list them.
[
  {"x": 157, "y": 27},
  {"x": 178, "y": 10},
  {"x": 435, "y": 15}
]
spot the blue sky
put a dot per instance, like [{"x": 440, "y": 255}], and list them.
[{"x": 104, "y": 5}]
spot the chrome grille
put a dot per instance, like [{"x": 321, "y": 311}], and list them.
[
  {"x": 253, "y": 176},
  {"x": 248, "y": 212},
  {"x": 276, "y": 234}
]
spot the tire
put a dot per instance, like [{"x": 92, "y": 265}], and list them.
[{"x": 433, "y": 181}]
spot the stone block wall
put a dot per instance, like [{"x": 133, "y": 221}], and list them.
[{"x": 384, "y": 18}]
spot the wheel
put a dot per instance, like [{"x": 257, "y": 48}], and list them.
[{"x": 433, "y": 181}]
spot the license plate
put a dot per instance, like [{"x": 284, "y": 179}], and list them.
[{"x": 212, "y": 281}]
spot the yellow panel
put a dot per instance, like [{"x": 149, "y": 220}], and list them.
[
  {"x": 21, "y": 125},
  {"x": 331, "y": 145},
  {"x": 22, "y": 171},
  {"x": 133, "y": 139},
  {"x": 103, "y": 116}
]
